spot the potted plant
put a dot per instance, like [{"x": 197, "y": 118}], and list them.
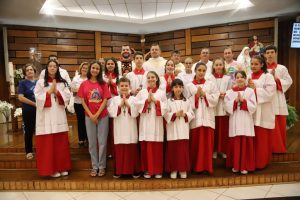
[{"x": 292, "y": 117}]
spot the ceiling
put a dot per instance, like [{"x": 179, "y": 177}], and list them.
[{"x": 139, "y": 16}]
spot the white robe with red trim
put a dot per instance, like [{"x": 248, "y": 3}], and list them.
[
  {"x": 265, "y": 91},
  {"x": 178, "y": 128},
  {"x": 137, "y": 80},
  {"x": 279, "y": 101},
  {"x": 240, "y": 121},
  {"x": 151, "y": 125},
  {"x": 125, "y": 123},
  {"x": 204, "y": 114},
  {"x": 50, "y": 120}
]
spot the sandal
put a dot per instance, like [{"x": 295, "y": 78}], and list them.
[
  {"x": 101, "y": 172},
  {"x": 93, "y": 172}
]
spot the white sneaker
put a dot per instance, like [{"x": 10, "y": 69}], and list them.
[
  {"x": 183, "y": 174},
  {"x": 234, "y": 170},
  {"x": 215, "y": 155},
  {"x": 29, "y": 156},
  {"x": 224, "y": 155},
  {"x": 244, "y": 172},
  {"x": 158, "y": 176},
  {"x": 146, "y": 175},
  {"x": 56, "y": 175},
  {"x": 65, "y": 173},
  {"x": 173, "y": 175}
]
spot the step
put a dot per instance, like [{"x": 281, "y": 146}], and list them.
[{"x": 80, "y": 180}]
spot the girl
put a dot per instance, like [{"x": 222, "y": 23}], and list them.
[
  {"x": 26, "y": 97},
  {"x": 188, "y": 75},
  {"x": 76, "y": 82},
  {"x": 240, "y": 103},
  {"x": 178, "y": 116},
  {"x": 169, "y": 76},
  {"x": 204, "y": 96},
  {"x": 52, "y": 146},
  {"x": 264, "y": 118},
  {"x": 151, "y": 106},
  {"x": 94, "y": 94},
  {"x": 223, "y": 84}
]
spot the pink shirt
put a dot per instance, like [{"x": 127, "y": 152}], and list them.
[{"x": 94, "y": 94}]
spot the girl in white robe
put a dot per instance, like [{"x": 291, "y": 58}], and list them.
[
  {"x": 204, "y": 96},
  {"x": 169, "y": 76},
  {"x": 151, "y": 104},
  {"x": 283, "y": 82},
  {"x": 240, "y": 103},
  {"x": 178, "y": 116},
  {"x": 223, "y": 83},
  {"x": 52, "y": 146},
  {"x": 122, "y": 110},
  {"x": 264, "y": 118}
]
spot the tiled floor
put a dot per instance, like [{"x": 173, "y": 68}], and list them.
[{"x": 263, "y": 191}]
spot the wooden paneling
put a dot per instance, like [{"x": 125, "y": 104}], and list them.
[{"x": 71, "y": 46}]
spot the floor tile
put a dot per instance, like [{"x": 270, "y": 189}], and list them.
[
  {"x": 245, "y": 193},
  {"x": 263, "y": 187},
  {"x": 171, "y": 193},
  {"x": 98, "y": 195},
  {"x": 48, "y": 195},
  {"x": 12, "y": 196},
  {"x": 123, "y": 194},
  {"x": 222, "y": 197},
  {"x": 273, "y": 194},
  {"x": 76, "y": 194},
  {"x": 194, "y": 194},
  {"x": 217, "y": 190},
  {"x": 147, "y": 196},
  {"x": 292, "y": 189}
]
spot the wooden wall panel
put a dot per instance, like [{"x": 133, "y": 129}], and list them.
[{"x": 71, "y": 46}]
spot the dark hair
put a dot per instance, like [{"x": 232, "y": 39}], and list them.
[
  {"x": 175, "y": 52},
  {"x": 157, "y": 77},
  {"x": 262, "y": 61},
  {"x": 138, "y": 53},
  {"x": 154, "y": 44},
  {"x": 219, "y": 58},
  {"x": 204, "y": 48},
  {"x": 124, "y": 80},
  {"x": 57, "y": 75},
  {"x": 99, "y": 76},
  {"x": 174, "y": 83},
  {"x": 228, "y": 48},
  {"x": 270, "y": 47},
  {"x": 116, "y": 70},
  {"x": 25, "y": 67},
  {"x": 52, "y": 55},
  {"x": 242, "y": 72},
  {"x": 167, "y": 63},
  {"x": 198, "y": 65}
]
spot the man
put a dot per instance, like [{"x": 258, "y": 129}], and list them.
[
  {"x": 125, "y": 63},
  {"x": 231, "y": 65},
  {"x": 63, "y": 73},
  {"x": 156, "y": 62},
  {"x": 179, "y": 67},
  {"x": 283, "y": 82},
  {"x": 204, "y": 58}
]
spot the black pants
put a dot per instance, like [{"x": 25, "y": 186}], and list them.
[
  {"x": 80, "y": 122},
  {"x": 29, "y": 128}
]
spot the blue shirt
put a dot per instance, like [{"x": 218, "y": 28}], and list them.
[{"x": 26, "y": 87}]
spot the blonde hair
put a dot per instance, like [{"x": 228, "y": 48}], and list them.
[{"x": 81, "y": 65}]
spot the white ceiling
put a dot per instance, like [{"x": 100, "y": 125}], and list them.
[{"x": 139, "y": 16}]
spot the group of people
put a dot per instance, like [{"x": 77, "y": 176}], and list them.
[{"x": 159, "y": 115}]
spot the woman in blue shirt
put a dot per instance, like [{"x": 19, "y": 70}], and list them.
[{"x": 27, "y": 98}]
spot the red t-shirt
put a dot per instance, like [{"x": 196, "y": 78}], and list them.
[{"x": 94, "y": 94}]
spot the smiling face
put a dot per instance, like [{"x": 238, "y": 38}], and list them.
[
  {"x": 151, "y": 79},
  {"x": 218, "y": 66},
  {"x": 200, "y": 72},
  {"x": 204, "y": 55},
  {"x": 139, "y": 60},
  {"x": 155, "y": 51},
  {"x": 95, "y": 70},
  {"x": 240, "y": 80},
  {"x": 52, "y": 69},
  {"x": 170, "y": 67},
  {"x": 270, "y": 55},
  {"x": 84, "y": 69},
  {"x": 124, "y": 88},
  {"x": 29, "y": 72},
  {"x": 228, "y": 55},
  {"x": 175, "y": 57},
  {"x": 177, "y": 89},
  {"x": 110, "y": 65},
  {"x": 188, "y": 63},
  {"x": 256, "y": 65}
]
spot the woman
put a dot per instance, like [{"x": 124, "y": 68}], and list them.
[
  {"x": 94, "y": 95},
  {"x": 76, "y": 82},
  {"x": 26, "y": 97},
  {"x": 52, "y": 146}
]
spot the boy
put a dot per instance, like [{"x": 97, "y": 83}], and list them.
[
  {"x": 124, "y": 114},
  {"x": 283, "y": 82}
]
